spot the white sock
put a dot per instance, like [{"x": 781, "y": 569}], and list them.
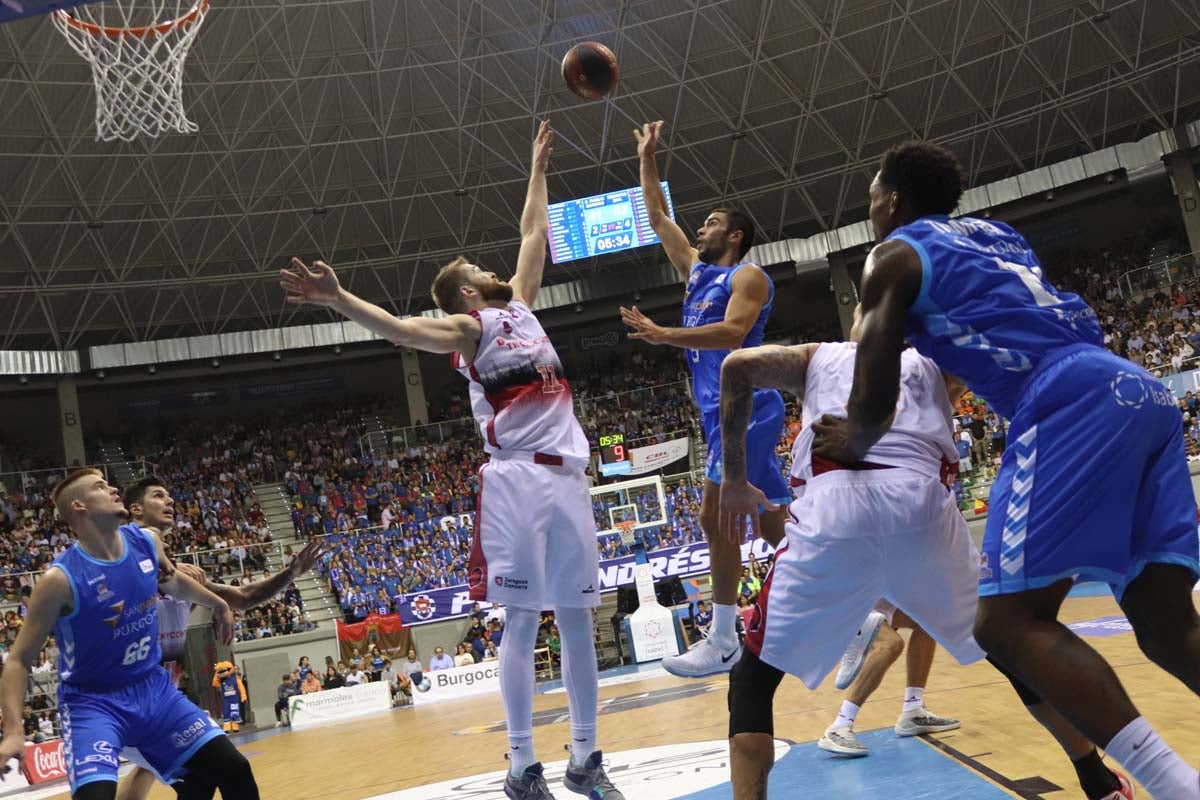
[
  {"x": 520, "y": 751},
  {"x": 914, "y": 698},
  {"x": 723, "y": 632},
  {"x": 1152, "y": 763},
  {"x": 516, "y": 685},
  {"x": 846, "y": 717},
  {"x": 580, "y": 678}
]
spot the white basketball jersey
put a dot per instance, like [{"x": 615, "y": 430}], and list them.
[
  {"x": 172, "y": 626},
  {"x": 920, "y": 438},
  {"x": 801, "y": 469},
  {"x": 519, "y": 395}
]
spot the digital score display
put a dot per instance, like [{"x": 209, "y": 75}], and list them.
[
  {"x": 614, "y": 458},
  {"x": 603, "y": 223}
]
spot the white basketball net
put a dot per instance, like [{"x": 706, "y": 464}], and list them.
[
  {"x": 136, "y": 49},
  {"x": 628, "y": 531}
]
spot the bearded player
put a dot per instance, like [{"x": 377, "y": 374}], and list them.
[
  {"x": 725, "y": 307},
  {"x": 151, "y": 506},
  {"x": 526, "y": 555}
]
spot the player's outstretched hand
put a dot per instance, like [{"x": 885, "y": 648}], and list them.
[
  {"x": 543, "y": 146},
  {"x": 647, "y": 138},
  {"x": 11, "y": 747},
  {"x": 832, "y": 440},
  {"x": 643, "y": 327},
  {"x": 307, "y": 558},
  {"x": 742, "y": 501},
  {"x": 192, "y": 571},
  {"x": 223, "y": 623},
  {"x": 317, "y": 285}
]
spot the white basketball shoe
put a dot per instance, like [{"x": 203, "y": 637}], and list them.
[
  {"x": 856, "y": 653},
  {"x": 704, "y": 659}
]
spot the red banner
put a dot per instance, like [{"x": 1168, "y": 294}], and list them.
[
  {"x": 386, "y": 631},
  {"x": 44, "y": 762}
]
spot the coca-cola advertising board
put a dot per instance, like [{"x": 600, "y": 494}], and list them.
[{"x": 44, "y": 762}]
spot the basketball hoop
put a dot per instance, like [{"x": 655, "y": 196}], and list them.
[
  {"x": 627, "y": 529},
  {"x": 137, "y": 69}
]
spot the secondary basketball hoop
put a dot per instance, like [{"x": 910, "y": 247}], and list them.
[
  {"x": 136, "y": 49},
  {"x": 628, "y": 530}
]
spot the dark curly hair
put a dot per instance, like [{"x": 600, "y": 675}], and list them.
[{"x": 925, "y": 174}]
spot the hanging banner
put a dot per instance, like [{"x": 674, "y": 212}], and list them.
[
  {"x": 436, "y": 605},
  {"x": 385, "y": 630}
]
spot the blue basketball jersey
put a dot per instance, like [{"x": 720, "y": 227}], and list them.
[
  {"x": 707, "y": 297},
  {"x": 110, "y": 638},
  {"x": 985, "y": 311}
]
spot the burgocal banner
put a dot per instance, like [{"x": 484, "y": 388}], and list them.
[
  {"x": 459, "y": 682},
  {"x": 335, "y": 705},
  {"x": 690, "y": 559}
]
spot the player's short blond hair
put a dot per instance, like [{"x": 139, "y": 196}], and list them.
[
  {"x": 449, "y": 280},
  {"x": 64, "y": 491}
]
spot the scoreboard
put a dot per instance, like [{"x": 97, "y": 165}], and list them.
[
  {"x": 603, "y": 223},
  {"x": 614, "y": 457}
]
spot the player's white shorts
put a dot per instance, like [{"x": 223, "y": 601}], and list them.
[
  {"x": 535, "y": 537},
  {"x": 853, "y": 538}
]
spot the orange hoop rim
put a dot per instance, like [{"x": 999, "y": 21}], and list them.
[
  {"x": 627, "y": 526},
  {"x": 199, "y": 8}
]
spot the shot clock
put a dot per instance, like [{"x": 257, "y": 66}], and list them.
[{"x": 614, "y": 458}]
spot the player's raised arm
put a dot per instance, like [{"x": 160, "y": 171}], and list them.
[
  {"x": 891, "y": 282},
  {"x": 749, "y": 292},
  {"x": 175, "y": 583},
  {"x": 51, "y": 597},
  {"x": 318, "y": 285},
  {"x": 674, "y": 241},
  {"x": 249, "y": 595},
  {"x": 535, "y": 222}
]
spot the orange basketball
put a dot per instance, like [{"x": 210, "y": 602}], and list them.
[{"x": 590, "y": 70}]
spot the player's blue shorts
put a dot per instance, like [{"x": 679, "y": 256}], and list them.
[
  {"x": 762, "y": 437},
  {"x": 149, "y": 716},
  {"x": 1094, "y": 483}
]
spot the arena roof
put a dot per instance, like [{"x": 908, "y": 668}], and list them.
[{"x": 388, "y": 136}]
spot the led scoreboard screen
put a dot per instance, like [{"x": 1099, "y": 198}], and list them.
[
  {"x": 604, "y": 223},
  {"x": 614, "y": 458}
]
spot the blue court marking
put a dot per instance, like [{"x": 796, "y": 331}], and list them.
[{"x": 898, "y": 768}]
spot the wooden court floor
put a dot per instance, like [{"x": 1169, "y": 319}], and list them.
[{"x": 999, "y": 747}]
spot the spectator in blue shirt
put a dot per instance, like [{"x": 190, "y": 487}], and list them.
[
  {"x": 703, "y": 618},
  {"x": 440, "y": 660}
]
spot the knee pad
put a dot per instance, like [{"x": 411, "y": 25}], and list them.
[
  {"x": 1028, "y": 696},
  {"x": 752, "y": 686}
]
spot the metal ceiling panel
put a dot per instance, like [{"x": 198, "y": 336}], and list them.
[{"x": 399, "y": 137}]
